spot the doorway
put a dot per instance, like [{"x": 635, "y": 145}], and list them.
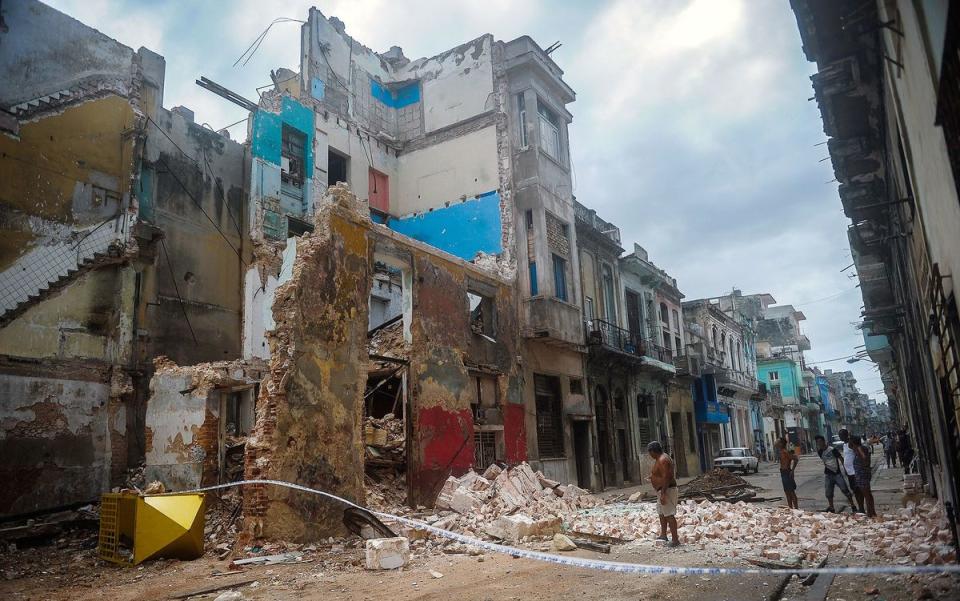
[
  {"x": 679, "y": 446},
  {"x": 581, "y": 452},
  {"x": 624, "y": 455},
  {"x": 603, "y": 435}
]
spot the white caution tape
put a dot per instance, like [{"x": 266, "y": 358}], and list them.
[{"x": 594, "y": 564}]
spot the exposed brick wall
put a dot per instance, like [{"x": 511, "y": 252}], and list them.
[{"x": 558, "y": 236}]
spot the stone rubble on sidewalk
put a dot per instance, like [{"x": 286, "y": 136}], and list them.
[{"x": 915, "y": 534}]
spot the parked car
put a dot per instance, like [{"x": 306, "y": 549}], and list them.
[{"x": 737, "y": 458}]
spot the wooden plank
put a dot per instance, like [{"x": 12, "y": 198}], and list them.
[{"x": 211, "y": 589}]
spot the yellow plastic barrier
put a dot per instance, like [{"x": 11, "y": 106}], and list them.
[{"x": 134, "y": 528}]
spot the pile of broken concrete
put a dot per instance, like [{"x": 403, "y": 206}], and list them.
[
  {"x": 508, "y": 504},
  {"x": 916, "y": 534}
]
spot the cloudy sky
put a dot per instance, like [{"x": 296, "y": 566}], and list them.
[{"x": 692, "y": 129}]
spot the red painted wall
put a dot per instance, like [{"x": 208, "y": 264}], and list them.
[
  {"x": 514, "y": 433},
  {"x": 446, "y": 441}
]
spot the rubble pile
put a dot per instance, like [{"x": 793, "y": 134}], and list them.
[
  {"x": 386, "y": 491},
  {"x": 385, "y": 439},
  {"x": 715, "y": 478},
  {"x": 509, "y": 504},
  {"x": 222, "y": 522},
  {"x": 388, "y": 341},
  {"x": 916, "y": 534}
]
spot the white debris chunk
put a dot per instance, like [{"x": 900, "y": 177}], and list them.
[{"x": 387, "y": 553}]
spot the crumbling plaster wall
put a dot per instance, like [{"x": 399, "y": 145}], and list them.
[
  {"x": 310, "y": 411},
  {"x": 183, "y": 419},
  {"x": 563, "y": 363},
  {"x": 62, "y": 435},
  {"x": 47, "y": 51},
  {"x": 443, "y": 351},
  {"x": 197, "y": 270},
  {"x": 309, "y": 414}
]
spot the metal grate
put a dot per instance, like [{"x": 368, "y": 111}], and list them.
[
  {"x": 549, "y": 417},
  {"x": 108, "y": 547},
  {"x": 945, "y": 324},
  {"x": 484, "y": 449}
]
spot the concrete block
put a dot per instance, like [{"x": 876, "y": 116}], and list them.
[
  {"x": 463, "y": 502},
  {"x": 562, "y": 542},
  {"x": 387, "y": 553},
  {"x": 511, "y": 527}
]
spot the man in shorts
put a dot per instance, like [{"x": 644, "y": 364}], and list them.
[
  {"x": 848, "y": 455},
  {"x": 833, "y": 473},
  {"x": 788, "y": 463},
  {"x": 663, "y": 479}
]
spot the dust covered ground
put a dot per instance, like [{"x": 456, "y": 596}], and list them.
[{"x": 69, "y": 569}]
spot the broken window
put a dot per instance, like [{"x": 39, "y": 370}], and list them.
[
  {"x": 588, "y": 311},
  {"x": 692, "y": 433},
  {"x": 486, "y": 408},
  {"x": 664, "y": 318},
  {"x": 576, "y": 385},
  {"x": 522, "y": 118},
  {"x": 336, "y": 167},
  {"x": 481, "y": 314},
  {"x": 549, "y": 416},
  {"x": 292, "y": 157},
  {"x": 549, "y": 131},
  {"x": 237, "y": 412},
  {"x": 773, "y": 376},
  {"x": 560, "y": 277},
  {"x": 529, "y": 218}
]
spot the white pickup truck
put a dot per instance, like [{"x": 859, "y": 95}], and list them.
[{"x": 737, "y": 458}]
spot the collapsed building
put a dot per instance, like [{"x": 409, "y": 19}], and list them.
[
  {"x": 388, "y": 283},
  {"x": 176, "y": 299}
]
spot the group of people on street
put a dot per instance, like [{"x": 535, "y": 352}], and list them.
[
  {"x": 897, "y": 445},
  {"x": 847, "y": 468}
]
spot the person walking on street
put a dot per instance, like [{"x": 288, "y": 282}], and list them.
[
  {"x": 848, "y": 468},
  {"x": 788, "y": 463},
  {"x": 663, "y": 479},
  {"x": 861, "y": 464},
  {"x": 905, "y": 449},
  {"x": 890, "y": 449},
  {"x": 832, "y": 473}
]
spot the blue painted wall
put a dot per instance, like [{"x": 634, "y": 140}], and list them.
[
  {"x": 789, "y": 376},
  {"x": 268, "y": 132},
  {"x": 397, "y": 98},
  {"x": 462, "y": 229},
  {"x": 824, "y": 387},
  {"x": 705, "y": 405}
]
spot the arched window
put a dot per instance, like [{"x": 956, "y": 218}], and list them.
[
  {"x": 664, "y": 315},
  {"x": 733, "y": 358},
  {"x": 714, "y": 336},
  {"x": 739, "y": 356}
]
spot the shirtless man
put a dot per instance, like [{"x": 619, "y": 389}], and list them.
[
  {"x": 788, "y": 463},
  {"x": 664, "y": 482}
]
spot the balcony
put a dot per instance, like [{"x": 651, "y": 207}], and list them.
[
  {"x": 604, "y": 336},
  {"x": 589, "y": 217},
  {"x": 733, "y": 383},
  {"x": 553, "y": 321},
  {"x": 600, "y": 332},
  {"x": 687, "y": 365}
]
